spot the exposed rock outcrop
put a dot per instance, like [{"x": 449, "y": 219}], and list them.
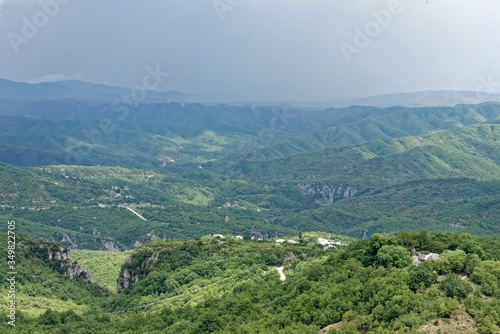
[
  {"x": 66, "y": 239},
  {"x": 419, "y": 257},
  {"x": 59, "y": 254},
  {"x": 327, "y": 194},
  {"x": 127, "y": 277},
  {"x": 110, "y": 245},
  {"x": 77, "y": 270},
  {"x": 289, "y": 258},
  {"x": 55, "y": 253},
  {"x": 131, "y": 273},
  {"x": 259, "y": 235}
]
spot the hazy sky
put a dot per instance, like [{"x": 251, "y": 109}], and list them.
[{"x": 257, "y": 49}]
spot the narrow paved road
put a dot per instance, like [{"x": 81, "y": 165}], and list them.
[{"x": 135, "y": 212}]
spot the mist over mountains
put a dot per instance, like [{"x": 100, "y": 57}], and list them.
[{"x": 86, "y": 91}]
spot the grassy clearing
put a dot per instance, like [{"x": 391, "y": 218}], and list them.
[{"x": 104, "y": 265}]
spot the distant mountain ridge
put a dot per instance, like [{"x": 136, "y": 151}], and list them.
[
  {"x": 79, "y": 90},
  {"x": 427, "y": 99},
  {"x": 87, "y": 91},
  {"x": 52, "y": 132}
]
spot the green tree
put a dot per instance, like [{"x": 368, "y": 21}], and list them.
[
  {"x": 393, "y": 256},
  {"x": 454, "y": 286},
  {"x": 457, "y": 259},
  {"x": 421, "y": 276},
  {"x": 489, "y": 285},
  {"x": 471, "y": 262},
  {"x": 377, "y": 241},
  {"x": 49, "y": 318}
]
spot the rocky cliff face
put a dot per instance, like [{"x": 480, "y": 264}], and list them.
[
  {"x": 132, "y": 272},
  {"x": 110, "y": 245},
  {"x": 71, "y": 269},
  {"x": 60, "y": 253},
  {"x": 127, "y": 277},
  {"x": 66, "y": 240},
  {"x": 327, "y": 194},
  {"x": 55, "y": 253},
  {"x": 77, "y": 270}
]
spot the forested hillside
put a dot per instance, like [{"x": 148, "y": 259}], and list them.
[
  {"x": 214, "y": 208},
  {"x": 233, "y": 286},
  {"x": 249, "y": 167},
  {"x": 95, "y": 176}
]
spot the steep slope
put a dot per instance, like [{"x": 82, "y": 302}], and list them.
[
  {"x": 238, "y": 170},
  {"x": 45, "y": 279},
  {"x": 441, "y": 181},
  {"x": 70, "y": 132},
  {"x": 359, "y": 125}
]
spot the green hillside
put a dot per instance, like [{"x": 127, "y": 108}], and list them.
[
  {"x": 233, "y": 286},
  {"x": 433, "y": 205},
  {"x": 467, "y": 152},
  {"x": 356, "y": 190},
  {"x": 86, "y": 207},
  {"x": 441, "y": 181},
  {"x": 104, "y": 265},
  {"x": 73, "y": 132},
  {"x": 42, "y": 283}
]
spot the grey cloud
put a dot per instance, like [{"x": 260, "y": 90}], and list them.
[{"x": 261, "y": 49}]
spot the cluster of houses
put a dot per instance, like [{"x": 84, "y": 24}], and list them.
[
  {"x": 419, "y": 257},
  {"x": 264, "y": 236},
  {"x": 253, "y": 236},
  {"x": 289, "y": 241},
  {"x": 328, "y": 244},
  {"x": 221, "y": 236}
]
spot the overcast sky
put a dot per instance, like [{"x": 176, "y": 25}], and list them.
[{"x": 257, "y": 49}]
